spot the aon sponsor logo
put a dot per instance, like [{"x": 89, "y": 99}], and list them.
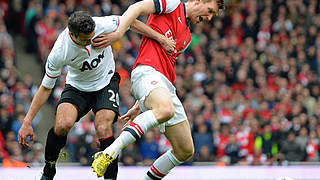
[{"x": 93, "y": 64}]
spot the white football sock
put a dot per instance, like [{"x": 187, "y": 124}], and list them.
[
  {"x": 162, "y": 166},
  {"x": 141, "y": 124}
]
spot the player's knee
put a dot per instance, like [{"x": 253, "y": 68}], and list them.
[
  {"x": 168, "y": 112},
  {"x": 165, "y": 112},
  {"x": 188, "y": 153},
  {"x": 62, "y": 129},
  {"x": 184, "y": 153},
  {"x": 104, "y": 127}
]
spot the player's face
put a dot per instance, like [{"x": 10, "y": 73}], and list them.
[
  {"x": 84, "y": 39},
  {"x": 205, "y": 11}
]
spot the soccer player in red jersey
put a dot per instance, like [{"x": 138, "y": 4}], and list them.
[{"x": 152, "y": 81}]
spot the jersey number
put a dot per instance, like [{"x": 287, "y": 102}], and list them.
[{"x": 114, "y": 98}]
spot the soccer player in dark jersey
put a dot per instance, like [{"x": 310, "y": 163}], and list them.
[{"x": 152, "y": 81}]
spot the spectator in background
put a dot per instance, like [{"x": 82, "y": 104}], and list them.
[
  {"x": 149, "y": 149},
  {"x": 15, "y": 158},
  {"x": 47, "y": 34},
  {"x": 245, "y": 138},
  {"x": 3, "y": 153},
  {"x": 37, "y": 156},
  {"x": 312, "y": 147},
  {"x": 5, "y": 120},
  {"x": 33, "y": 15},
  {"x": 202, "y": 138},
  {"x": 266, "y": 142},
  {"x": 291, "y": 149},
  {"x": 221, "y": 141},
  {"x": 256, "y": 158},
  {"x": 16, "y": 125},
  {"x": 302, "y": 140},
  {"x": 232, "y": 150},
  {"x": 129, "y": 155},
  {"x": 204, "y": 155}
]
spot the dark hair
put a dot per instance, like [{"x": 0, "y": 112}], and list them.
[{"x": 80, "y": 22}]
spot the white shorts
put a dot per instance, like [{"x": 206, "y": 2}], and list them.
[{"x": 144, "y": 79}]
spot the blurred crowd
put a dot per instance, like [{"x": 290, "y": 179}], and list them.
[
  {"x": 249, "y": 82},
  {"x": 15, "y": 96}
]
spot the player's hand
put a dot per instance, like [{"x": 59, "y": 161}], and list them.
[
  {"x": 169, "y": 45},
  {"x": 104, "y": 40},
  {"x": 129, "y": 116},
  {"x": 25, "y": 132}
]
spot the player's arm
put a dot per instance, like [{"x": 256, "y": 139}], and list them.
[
  {"x": 144, "y": 7},
  {"x": 38, "y": 100},
  {"x": 167, "y": 44},
  {"x": 53, "y": 70},
  {"x": 128, "y": 17}
]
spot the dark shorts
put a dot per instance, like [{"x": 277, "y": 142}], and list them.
[{"x": 106, "y": 98}]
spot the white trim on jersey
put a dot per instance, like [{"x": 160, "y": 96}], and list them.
[{"x": 162, "y": 5}]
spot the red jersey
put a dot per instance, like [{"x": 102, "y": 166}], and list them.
[{"x": 169, "y": 20}]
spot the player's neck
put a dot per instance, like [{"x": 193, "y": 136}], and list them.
[{"x": 73, "y": 39}]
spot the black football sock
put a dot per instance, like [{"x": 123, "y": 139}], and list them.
[
  {"x": 112, "y": 170},
  {"x": 53, "y": 146}
]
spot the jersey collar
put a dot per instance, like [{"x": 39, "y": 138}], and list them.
[
  {"x": 73, "y": 40},
  {"x": 78, "y": 44}
]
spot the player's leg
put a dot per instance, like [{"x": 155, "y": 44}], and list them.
[
  {"x": 107, "y": 111},
  {"x": 158, "y": 98},
  {"x": 71, "y": 107},
  {"x": 103, "y": 124},
  {"x": 160, "y": 110},
  {"x": 179, "y": 136},
  {"x": 155, "y": 100},
  {"x": 178, "y": 132},
  {"x": 66, "y": 116},
  {"x": 153, "y": 91}
]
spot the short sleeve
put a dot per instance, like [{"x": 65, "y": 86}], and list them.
[
  {"x": 107, "y": 24},
  {"x": 166, "y": 6},
  {"x": 53, "y": 68}
]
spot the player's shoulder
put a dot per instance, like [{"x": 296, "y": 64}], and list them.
[
  {"x": 61, "y": 47},
  {"x": 166, "y": 6},
  {"x": 106, "y": 24},
  {"x": 62, "y": 40},
  {"x": 105, "y": 19}
]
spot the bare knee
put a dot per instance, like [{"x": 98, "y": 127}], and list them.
[
  {"x": 184, "y": 153},
  {"x": 65, "y": 118},
  {"x": 104, "y": 129},
  {"x": 164, "y": 113},
  {"x": 103, "y": 124},
  {"x": 62, "y": 128},
  {"x": 160, "y": 102}
]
